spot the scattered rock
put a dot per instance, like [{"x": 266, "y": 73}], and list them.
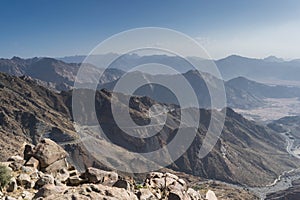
[{"x": 46, "y": 175}]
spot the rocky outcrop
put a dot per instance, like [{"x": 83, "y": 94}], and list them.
[{"x": 37, "y": 178}]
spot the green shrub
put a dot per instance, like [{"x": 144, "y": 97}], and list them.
[{"x": 5, "y": 176}]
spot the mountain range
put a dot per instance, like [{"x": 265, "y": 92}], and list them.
[
  {"x": 30, "y": 112},
  {"x": 60, "y": 76},
  {"x": 270, "y": 69}
]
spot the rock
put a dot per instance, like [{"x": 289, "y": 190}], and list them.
[
  {"x": 210, "y": 195},
  {"x": 15, "y": 158},
  {"x": 32, "y": 162},
  {"x": 25, "y": 181},
  {"x": 56, "y": 166},
  {"x": 28, "y": 170},
  {"x": 47, "y": 152},
  {"x": 27, "y": 195},
  {"x": 16, "y": 165},
  {"x": 94, "y": 175},
  {"x": 48, "y": 190},
  {"x": 44, "y": 180},
  {"x": 193, "y": 194},
  {"x": 62, "y": 175},
  {"x": 145, "y": 194},
  {"x": 175, "y": 195},
  {"x": 122, "y": 184},
  {"x": 12, "y": 185},
  {"x": 74, "y": 180}
]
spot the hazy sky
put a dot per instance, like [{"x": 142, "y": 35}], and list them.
[{"x": 256, "y": 28}]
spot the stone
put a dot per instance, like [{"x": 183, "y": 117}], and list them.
[
  {"x": 75, "y": 180},
  {"x": 193, "y": 194},
  {"x": 25, "y": 181},
  {"x": 44, "y": 180},
  {"x": 47, "y": 152},
  {"x": 32, "y": 162},
  {"x": 62, "y": 175},
  {"x": 122, "y": 184},
  {"x": 16, "y": 165},
  {"x": 145, "y": 194},
  {"x": 175, "y": 195},
  {"x": 56, "y": 166},
  {"x": 28, "y": 170},
  {"x": 12, "y": 185},
  {"x": 15, "y": 158},
  {"x": 48, "y": 190},
  {"x": 27, "y": 195},
  {"x": 94, "y": 175},
  {"x": 210, "y": 195}
]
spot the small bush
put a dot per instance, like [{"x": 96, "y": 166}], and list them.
[{"x": 5, "y": 176}]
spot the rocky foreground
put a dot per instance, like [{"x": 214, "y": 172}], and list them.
[{"x": 44, "y": 173}]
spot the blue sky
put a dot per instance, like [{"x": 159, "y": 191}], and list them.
[{"x": 57, "y": 28}]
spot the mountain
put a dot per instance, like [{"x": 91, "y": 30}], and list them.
[
  {"x": 262, "y": 90},
  {"x": 29, "y": 112},
  {"x": 270, "y": 69},
  {"x": 54, "y": 73},
  {"x": 273, "y": 59},
  {"x": 258, "y": 69}
]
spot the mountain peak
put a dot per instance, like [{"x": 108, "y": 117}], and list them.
[{"x": 273, "y": 59}]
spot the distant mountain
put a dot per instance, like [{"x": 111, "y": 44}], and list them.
[
  {"x": 262, "y": 70},
  {"x": 58, "y": 75},
  {"x": 240, "y": 92},
  {"x": 258, "y": 69},
  {"x": 273, "y": 59},
  {"x": 262, "y": 90},
  {"x": 54, "y": 73}
]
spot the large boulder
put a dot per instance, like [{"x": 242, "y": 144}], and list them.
[
  {"x": 48, "y": 152},
  {"x": 94, "y": 175}
]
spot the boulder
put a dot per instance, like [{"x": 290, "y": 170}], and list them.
[
  {"x": 123, "y": 184},
  {"x": 56, "y": 166},
  {"x": 48, "y": 152},
  {"x": 46, "y": 179},
  {"x": 94, "y": 175},
  {"x": 48, "y": 190},
  {"x": 74, "y": 180},
  {"x": 32, "y": 162},
  {"x": 25, "y": 181}
]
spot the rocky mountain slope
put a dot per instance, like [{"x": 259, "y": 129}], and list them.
[
  {"x": 30, "y": 112},
  {"x": 52, "y": 73}
]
